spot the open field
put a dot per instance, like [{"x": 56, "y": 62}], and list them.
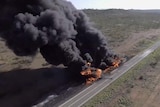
[
  {"x": 118, "y": 25},
  {"x": 128, "y": 33}
]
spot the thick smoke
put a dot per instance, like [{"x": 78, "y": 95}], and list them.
[{"x": 63, "y": 34}]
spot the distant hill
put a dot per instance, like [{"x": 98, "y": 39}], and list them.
[
  {"x": 125, "y": 10},
  {"x": 148, "y": 11}
]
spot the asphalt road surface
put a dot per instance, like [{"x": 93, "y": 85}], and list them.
[{"x": 86, "y": 94}]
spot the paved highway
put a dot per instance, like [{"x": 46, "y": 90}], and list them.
[{"x": 86, "y": 94}]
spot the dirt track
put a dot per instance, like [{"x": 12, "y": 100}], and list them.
[{"x": 132, "y": 41}]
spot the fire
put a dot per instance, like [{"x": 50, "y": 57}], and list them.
[
  {"x": 90, "y": 80},
  {"x": 86, "y": 72},
  {"x": 115, "y": 64},
  {"x": 92, "y": 74}
]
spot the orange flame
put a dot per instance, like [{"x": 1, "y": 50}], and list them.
[
  {"x": 115, "y": 64},
  {"x": 91, "y": 73},
  {"x": 94, "y": 74},
  {"x": 86, "y": 72}
]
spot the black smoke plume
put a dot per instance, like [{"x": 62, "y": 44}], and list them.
[{"x": 63, "y": 34}]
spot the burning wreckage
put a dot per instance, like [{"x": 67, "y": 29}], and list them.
[
  {"x": 92, "y": 74},
  {"x": 62, "y": 34}
]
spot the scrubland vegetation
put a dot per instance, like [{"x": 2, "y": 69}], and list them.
[{"x": 117, "y": 25}]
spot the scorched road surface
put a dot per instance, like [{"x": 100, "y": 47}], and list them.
[{"x": 85, "y": 95}]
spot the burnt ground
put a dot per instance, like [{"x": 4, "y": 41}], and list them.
[{"x": 26, "y": 81}]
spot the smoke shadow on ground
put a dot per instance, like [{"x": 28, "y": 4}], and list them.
[{"x": 26, "y": 87}]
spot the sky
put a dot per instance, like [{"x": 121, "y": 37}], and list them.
[{"x": 118, "y": 4}]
